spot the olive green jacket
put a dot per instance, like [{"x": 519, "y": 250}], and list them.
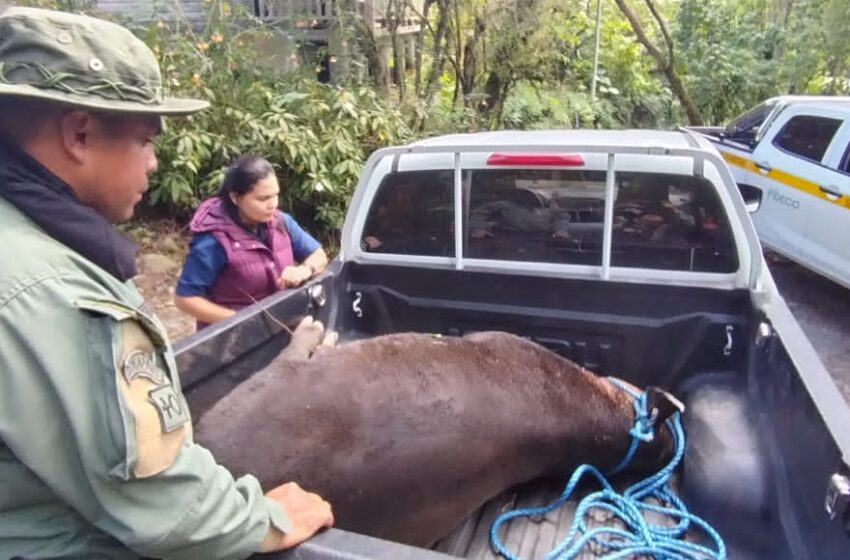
[{"x": 96, "y": 451}]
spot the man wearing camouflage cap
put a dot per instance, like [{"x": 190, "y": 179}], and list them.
[{"x": 96, "y": 451}]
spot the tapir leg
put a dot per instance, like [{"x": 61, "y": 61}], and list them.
[{"x": 305, "y": 338}]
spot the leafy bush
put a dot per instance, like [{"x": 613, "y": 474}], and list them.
[
  {"x": 731, "y": 54},
  {"x": 316, "y": 135}
]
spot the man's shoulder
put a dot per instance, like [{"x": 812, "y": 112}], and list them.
[
  {"x": 31, "y": 257},
  {"x": 22, "y": 241}
]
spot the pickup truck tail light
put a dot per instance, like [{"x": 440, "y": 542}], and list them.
[{"x": 531, "y": 160}]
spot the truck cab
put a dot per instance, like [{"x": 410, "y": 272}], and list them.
[{"x": 791, "y": 158}]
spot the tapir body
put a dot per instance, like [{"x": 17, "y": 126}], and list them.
[{"x": 407, "y": 434}]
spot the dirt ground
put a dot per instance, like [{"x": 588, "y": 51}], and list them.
[
  {"x": 822, "y": 308},
  {"x": 163, "y": 245}
]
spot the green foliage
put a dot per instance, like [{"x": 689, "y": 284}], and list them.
[
  {"x": 737, "y": 53},
  {"x": 726, "y": 72},
  {"x": 556, "y": 94},
  {"x": 316, "y": 135},
  {"x": 532, "y": 107},
  {"x": 536, "y": 56}
]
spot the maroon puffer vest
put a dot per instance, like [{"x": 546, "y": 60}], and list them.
[{"x": 253, "y": 268}]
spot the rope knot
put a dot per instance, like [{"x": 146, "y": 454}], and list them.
[{"x": 644, "y": 428}]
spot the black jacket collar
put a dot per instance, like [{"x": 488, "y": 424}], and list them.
[{"x": 52, "y": 204}]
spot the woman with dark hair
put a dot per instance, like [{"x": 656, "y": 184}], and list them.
[{"x": 243, "y": 248}]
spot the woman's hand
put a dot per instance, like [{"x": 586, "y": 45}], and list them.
[
  {"x": 294, "y": 276},
  {"x": 372, "y": 242}
]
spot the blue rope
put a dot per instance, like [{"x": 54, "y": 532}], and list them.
[{"x": 638, "y": 537}]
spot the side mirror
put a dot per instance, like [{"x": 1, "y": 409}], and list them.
[{"x": 752, "y": 197}]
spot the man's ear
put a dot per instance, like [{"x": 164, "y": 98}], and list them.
[{"x": 75, "y": 128}]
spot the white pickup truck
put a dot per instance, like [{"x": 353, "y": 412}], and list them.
[
  {"x": 630, "y": 253},
  {"x": 791, "y": 158}
]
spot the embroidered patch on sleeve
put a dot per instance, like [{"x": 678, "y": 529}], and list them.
[
  {"x": 158, "y": 409},
  {"x": 142, "y": 364},
  {"x": 171, "y": 407},
  {"x": 156, "y": 419}
]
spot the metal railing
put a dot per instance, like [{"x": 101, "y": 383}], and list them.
[{"x": 321, "y": 13}]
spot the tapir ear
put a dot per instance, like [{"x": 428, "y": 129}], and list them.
[{"x": 662, "y": 404}]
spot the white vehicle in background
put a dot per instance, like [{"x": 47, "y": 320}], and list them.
[{"x": 791, "y": 158}]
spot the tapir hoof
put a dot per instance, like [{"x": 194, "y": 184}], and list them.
[
  {"x": 305, "y": 338},
  {"x": 329, "y": 341}
]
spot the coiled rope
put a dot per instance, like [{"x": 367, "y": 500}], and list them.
[{"x": 639, "y": 537}]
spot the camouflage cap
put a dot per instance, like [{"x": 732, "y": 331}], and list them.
[{"x": 82, "y": 61}]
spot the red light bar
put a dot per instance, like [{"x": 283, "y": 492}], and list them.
[{"x": 554, "y": 160}]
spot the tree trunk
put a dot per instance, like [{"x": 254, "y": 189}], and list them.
[
  {"x": 665, "y": 61},
  {"x": 789, "y": 6},
  {"x": 694, "y": 115},
  {"x": 470, "y": 62},
  {"x": 458, "y": 53},
  {"x": 376, "y": 66},
  {"x": 497, "y": 120},
  {"x": 501, "y": 79},
  {"x": 438, "y": 51},
  {"x": 393, "y": 17},
  {"x": 493, "y": 89},
  {"x": 420, "y": 39}
]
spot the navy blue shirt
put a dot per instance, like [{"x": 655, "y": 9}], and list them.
[{"x": 206, "y": 258}]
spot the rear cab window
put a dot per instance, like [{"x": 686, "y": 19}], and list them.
[
  {"x": 412, "y": 214},
  {"x": 661, "y": 221}
]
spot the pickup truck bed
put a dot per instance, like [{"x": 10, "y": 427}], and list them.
[{"x": 738, "y": 473}]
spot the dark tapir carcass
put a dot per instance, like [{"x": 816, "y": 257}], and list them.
[{"x": 407, "y": 434}]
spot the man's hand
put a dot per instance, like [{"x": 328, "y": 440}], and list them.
[
  {"x": 480, "y": 234},
  {"x": 651, "y": 219},
  {"x": 294, "y": 276},
  {"x": 561, "y": 235},
  {"x": 372, "y": 242},
  {"x": 307, "y": 513}
]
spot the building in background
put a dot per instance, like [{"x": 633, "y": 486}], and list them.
[{"x": 311, "y": 31}]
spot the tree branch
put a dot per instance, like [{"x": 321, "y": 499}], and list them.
[
  {"x": 641, "y": 35},
  {"x": 661, "y": 24},
  {"x": 423, "y": 15},
  {"x": 458, "y": 53},
  {"x": 666, "y": 63}
]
